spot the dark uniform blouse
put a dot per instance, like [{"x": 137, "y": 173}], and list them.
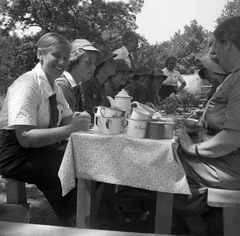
[{"x": 94, "y": 95}]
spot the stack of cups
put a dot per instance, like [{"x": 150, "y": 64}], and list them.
[
  {"x": 108, "y": 120},
  {"x": 137, "y": 123}
]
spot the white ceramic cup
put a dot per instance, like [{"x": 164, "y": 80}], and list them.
[
  {"x": 112, "y": 125},
  {"x": 97, "y": 110},
  {"x": 111, "y": 112},
  {"x": 150, "y": 110},
  {"x": 97, "y": 123},
  {"x": 139, "y": 114},
  {"x": 136, "y": 128}
]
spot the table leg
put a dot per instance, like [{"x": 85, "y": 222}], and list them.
[
  {"x": 86, "y": 204},
  {"x": 163, "y": 218}
]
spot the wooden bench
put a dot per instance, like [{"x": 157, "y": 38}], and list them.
[
  {"x": 21, "y": 229},
  {"x": 16, "y": 208},
  {"x": 229, "y": 200}
]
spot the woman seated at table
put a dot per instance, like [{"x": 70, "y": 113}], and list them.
[
  {"x": 215, "y": 162},
  {"x": 138, "y": 87},
  {"x": 29, "y": 136},
  {"x": 116, "y": 82},
  {"x": 81, "y": 67},
  {"x": 94, "y": 92},
  {"x": 155, "y": 85},
  {"x": 170, "y": 85}
]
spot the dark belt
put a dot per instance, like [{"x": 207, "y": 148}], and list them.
[{"x": 7, "y": 131}]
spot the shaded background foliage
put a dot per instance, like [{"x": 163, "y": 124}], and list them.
[{"x": 102, "y": 23}]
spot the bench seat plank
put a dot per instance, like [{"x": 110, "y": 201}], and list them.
[
  {"x": 229, "y": 200},
  {"x": 223, "y": 198},
  {"x": 21, "y": 229}
]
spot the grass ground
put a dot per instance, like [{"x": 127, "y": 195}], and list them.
[{"x": 121, "y": 212}]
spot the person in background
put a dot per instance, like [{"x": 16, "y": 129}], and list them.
[
  {"x": 130, "y": 45},
  {"x": 155, "y": 85},
  {"x": 94, "y": 92},
  {"x": 214, "y": 162},
  {"x": 81, "y": 67},
  {"x": 137, "y": 88},
  {"x": 170, "y": 85},
  {"x": 29, "y": 133},
  {"x": 116, "y": 82}
]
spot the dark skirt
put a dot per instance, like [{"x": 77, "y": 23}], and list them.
[
  {"x": 37, "y": 166},
  {"x": 166, "y": 90}
]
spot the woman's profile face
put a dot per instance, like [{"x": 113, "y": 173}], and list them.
[
  {"x": 221, "y": 54},
  {"x": 171, "y": 64},
  {"x": 121, "y": 77},
  {"x": 54, "y": 60},
  {"x": 157, "y": 83},
  {"x": 86, "y": 66},
  {"x": 144, "y": 80}
]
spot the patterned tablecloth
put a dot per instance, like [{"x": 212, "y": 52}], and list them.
[{"x": 117, "y": 159}]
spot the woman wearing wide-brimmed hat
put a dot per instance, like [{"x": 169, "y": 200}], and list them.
[
  {"x": 116, "y": 82},
  {"x": 211, "y": 71},
  {"x": 155, "y": 85},
  {"x": 94, "y": 92},
  {"x": 138, "y": 87}
]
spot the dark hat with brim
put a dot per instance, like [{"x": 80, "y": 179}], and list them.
[
  {"x": 121, "y": 65},
  {"x": 106, "y": 55},
  {"x": 141, "y": 70},
  {"x": 210, "y": 61},
  {"x": 158, "y": 74}
]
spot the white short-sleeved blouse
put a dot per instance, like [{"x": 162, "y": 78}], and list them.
[
  {"x": 27, "y": 101},
  {"x": 172, "y": 77}
]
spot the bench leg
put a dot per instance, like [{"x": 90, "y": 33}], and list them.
[
  {"x": 231, "y": 221},
  {"x": 16, "y": 193},
  {"x": 16, "y": 208}
]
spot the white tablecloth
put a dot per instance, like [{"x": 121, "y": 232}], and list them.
[{"x": 117, "y": 159}]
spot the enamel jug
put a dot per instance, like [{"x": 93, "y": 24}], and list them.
[{"x": 122, "y": 101}]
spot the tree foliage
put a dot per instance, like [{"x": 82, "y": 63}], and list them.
[
  {"x": 232, "y": 8},
  {"x": 95, "y": 20},
  {"x": 102, "y": 23},
  {"x": 187, "y": 47}
]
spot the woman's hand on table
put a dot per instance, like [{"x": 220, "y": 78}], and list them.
[
  {"x": 184, "y": 140},
  {"x": 190, "y": 125},
  {"x": 80, "y": 121}
]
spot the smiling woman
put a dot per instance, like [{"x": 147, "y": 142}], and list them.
[{"x": 29, "y": 133}]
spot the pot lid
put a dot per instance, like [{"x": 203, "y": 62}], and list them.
[{"x": 123, "y": 94}]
